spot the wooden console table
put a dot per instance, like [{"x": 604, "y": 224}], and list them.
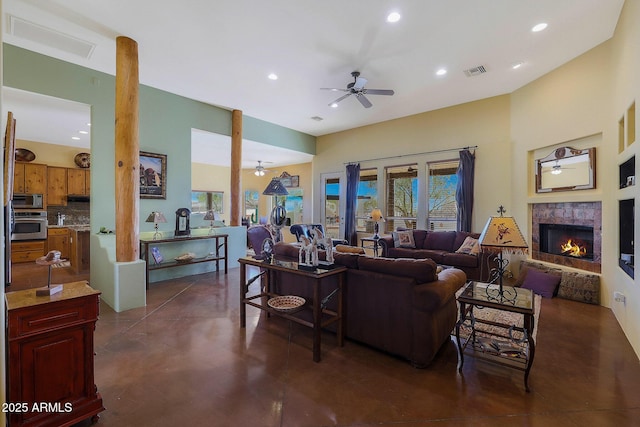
[{"x": 214, "y": 256}]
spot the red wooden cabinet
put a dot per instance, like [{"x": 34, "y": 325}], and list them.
[{"x": 50, "y": 356}]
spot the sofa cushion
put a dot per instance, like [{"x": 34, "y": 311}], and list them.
[
  {"x": 470, "y": 246},
  {"x": 422, "y": 270},
  {"x": 403, "y": 239},
  {"x": 440, "y": 240},
  {"x": 581, "y": 287},
  {"x": 459, "y": 260},
  {"x": 527, "y": 264},
  {"x": 349, "y": 249},
  {"x": 437, "y": 256},
  {"x": 349, "y": 260},
  {"x": 461, "y": 236},
  {"x": 541, "y": 283},
  {"x": 418, "y": 235}
]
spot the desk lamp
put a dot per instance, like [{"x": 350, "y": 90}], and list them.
[{"x": 210, "y": 216}]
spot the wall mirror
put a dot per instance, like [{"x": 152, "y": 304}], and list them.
[{"x": 566, "y": 169}]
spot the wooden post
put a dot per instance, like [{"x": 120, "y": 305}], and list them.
[
  {"x": 236, "y": 168},
  {"x": 127, "y": 165}
]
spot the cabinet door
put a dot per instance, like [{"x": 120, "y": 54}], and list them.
[
  {"x": 76, "y": 184},
  {"x": 56, "y": 186},
  {"x": 35, "y": 178},
  {"x": 58, "y": 239},
  {"x": 87, "y": 182},
  {"x": 18, "y": 178}
]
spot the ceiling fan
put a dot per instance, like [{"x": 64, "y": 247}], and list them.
[
  {"x": 260, "y": 170},
  {"x": 357, "y": 88},
  {"x": 557, "y": 169}
]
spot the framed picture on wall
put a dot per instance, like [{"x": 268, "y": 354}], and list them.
[{"x": 153, "y": 175}]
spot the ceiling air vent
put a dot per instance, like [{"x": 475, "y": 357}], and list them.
[
  {"x": 317, "y": 118},
  {"x": 475, "y": 71},
  {"x": 45, "y": 36}
]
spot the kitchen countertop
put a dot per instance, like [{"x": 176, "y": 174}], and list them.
[{"x": 76, "y": 227}]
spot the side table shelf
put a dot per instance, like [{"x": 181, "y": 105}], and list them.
[{"x": 220, "y": 253}]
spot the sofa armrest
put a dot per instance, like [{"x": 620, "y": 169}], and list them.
[
  {"x": 385, "y": 243},
  {"x": 430, "y": 296}
]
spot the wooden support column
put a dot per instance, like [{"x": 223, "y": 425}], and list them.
[
  {"x": 127, "y": 159},
  {"x": 236, "y": 168}
]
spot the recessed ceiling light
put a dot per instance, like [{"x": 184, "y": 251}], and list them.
[
  {"x": 84, "y": 132},
  {"x": 393, "y": 17},
  {"x": 273, "y": 76},
  {"x": 441, "y": 72},
  {"x": 334, "y": 105},
  {"x": 517, "y": 65},
  {"x": 88, "y": 124},
  {"x": 77, "y": 138},
  {"x": 539, "y": 27}
]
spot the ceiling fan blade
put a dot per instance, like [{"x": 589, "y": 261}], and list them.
[
  {"x": 364, "y": 101},
  {"x": 340, "y": 99},
  {"x": 360, "y": 82},
  {"x": 378, "y": 91},
  {"x": 334, "y": 89}
]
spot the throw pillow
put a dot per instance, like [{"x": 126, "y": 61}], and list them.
[
  {"x": 349, "y": 249},
  {"x": 470, "y": 246},
  {"x": 541, "y": 283},
  {"x": 403, "y": 239}
]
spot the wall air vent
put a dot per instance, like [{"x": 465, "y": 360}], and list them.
[
  {"x": 475, "y": 71},
  {"x": 45, "y": 36}
]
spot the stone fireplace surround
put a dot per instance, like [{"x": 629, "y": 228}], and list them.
[{"x": 573, "y": 213}]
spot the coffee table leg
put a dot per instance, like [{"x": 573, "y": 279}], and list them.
[
  {"x": 458, "y": 324},
  {"x": 243, "y": 294},
  {"x": 317, "y": 316},
  {"x": 528, "y": 327}
]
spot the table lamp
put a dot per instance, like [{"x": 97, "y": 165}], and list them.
[
  {"x": 210, "y": 216},
  {"x": 279, "y": 213},
  {"x": 156, "y": 218},
  {"x": 376, "y": 216},
  {"x": 501, "y": 233}
]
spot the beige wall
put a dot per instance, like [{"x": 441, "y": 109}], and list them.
[
  {"x": 251, "y": 182},
  {"x": 484, "y": 123},
  {"x": 52, "y": 154},
  {"x": 212, "y": 178}
]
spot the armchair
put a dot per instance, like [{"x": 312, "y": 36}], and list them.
[{"x": 256, "y": 235}]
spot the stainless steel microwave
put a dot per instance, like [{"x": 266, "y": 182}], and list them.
[{"x": 28, "y": 201}]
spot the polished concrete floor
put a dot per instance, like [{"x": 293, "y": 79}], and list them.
[{"x": 184, "y": 361}]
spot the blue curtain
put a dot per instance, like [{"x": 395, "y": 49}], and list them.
[
  {"x": 353, "y": 179},
  {"x": 464, "y": 190}
]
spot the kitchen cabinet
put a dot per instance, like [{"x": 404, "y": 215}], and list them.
[
  {"x": 27, "y": 250},
  {"x": 78, "y": 182},
  {"x": 56, "y": 186},
  {"x": 50, "y": 356},
  {"x": 79, "y": 252},
  {"x": 29, "y": 178},
  {"x": 58, "y": 239}
]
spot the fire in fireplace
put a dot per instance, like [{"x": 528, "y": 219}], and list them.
[{"x": 567, "y": 240}]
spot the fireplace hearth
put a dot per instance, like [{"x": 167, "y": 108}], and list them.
[{"x": 555, "y": 224}]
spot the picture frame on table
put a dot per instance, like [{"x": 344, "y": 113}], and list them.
[
  {"x": 153, "y": 175},
  {"x": 157, "y": 256}
]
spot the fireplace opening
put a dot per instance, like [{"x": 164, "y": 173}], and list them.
[{"x": 574, "y": 241}]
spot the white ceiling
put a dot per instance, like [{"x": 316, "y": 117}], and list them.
[{"x": 221, "y": 52}]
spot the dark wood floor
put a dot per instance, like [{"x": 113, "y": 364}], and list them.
[{"x": 183, "y": 360}]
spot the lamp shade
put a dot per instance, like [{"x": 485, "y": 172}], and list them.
[
  {"x": 156, "y": 217},
  {"x": 503, "y": 232},
  {"x": 275, "y": 188},
  {"x": 209, "y": 216},
  {"x": 376, "y": 214}
]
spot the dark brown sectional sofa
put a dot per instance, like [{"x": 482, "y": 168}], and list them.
[
  {"x": 441, "y": 247},
  {"x": 400, "y": 306}
]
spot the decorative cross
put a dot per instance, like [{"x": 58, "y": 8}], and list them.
[{"x": 501, "y": 210}]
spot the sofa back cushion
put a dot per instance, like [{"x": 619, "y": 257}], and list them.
[
  {"x": 441, "y": 240},
  {"x": 349, "y": 260},
  {"x": 422, "y": 270}
]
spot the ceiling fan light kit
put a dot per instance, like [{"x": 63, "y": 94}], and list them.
[
  {"x": 357, "y": 88},
  {"x": 260, "y": 170}
]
